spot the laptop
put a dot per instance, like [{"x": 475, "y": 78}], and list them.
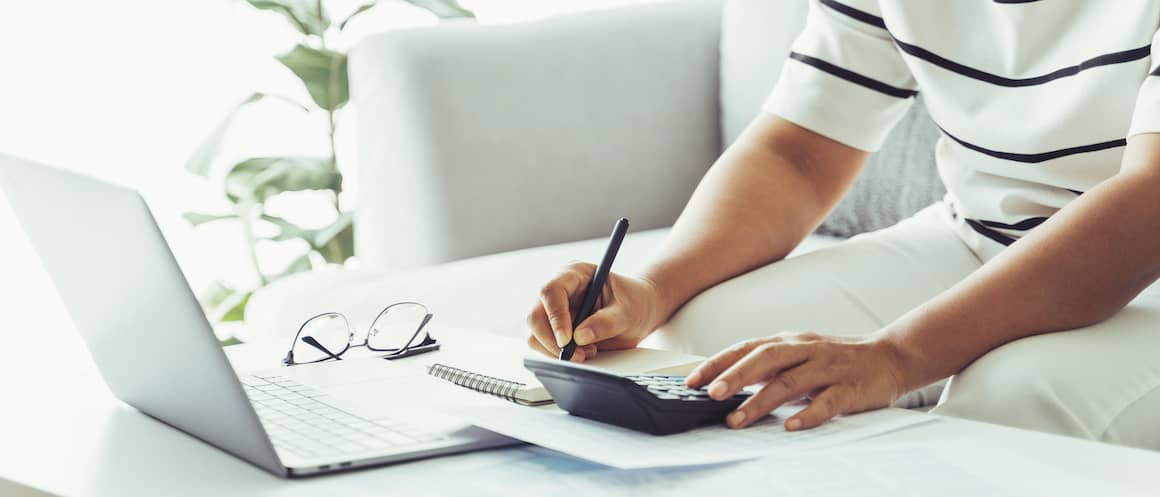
[{"x": 157, "y": 352}]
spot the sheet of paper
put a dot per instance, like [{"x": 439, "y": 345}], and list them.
[
  {"x": 910, "y": 470},
  {"x": 882, "y": 470},
  {"x": 553, "y": 428}
]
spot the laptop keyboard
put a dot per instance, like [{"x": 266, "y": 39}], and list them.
[{"x": 298, "y": 422}]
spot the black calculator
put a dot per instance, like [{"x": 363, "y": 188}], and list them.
[{"x": 656, "y": 404}]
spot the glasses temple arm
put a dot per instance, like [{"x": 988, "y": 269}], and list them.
[
  {"x": 309, "y": 340},
  {"x": 428, "y": 337}
]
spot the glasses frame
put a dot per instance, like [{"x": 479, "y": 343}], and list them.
[{"x": 427, "y": 344}]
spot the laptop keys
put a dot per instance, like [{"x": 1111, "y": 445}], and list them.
[{"x": 298, "y": 422}]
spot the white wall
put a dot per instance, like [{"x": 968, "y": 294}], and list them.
[{"x": 124, "y": 89}]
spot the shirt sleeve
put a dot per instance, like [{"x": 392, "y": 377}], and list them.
[
  {"x": 1146, "y": 117},
  {"x": 844, "y": 78}
]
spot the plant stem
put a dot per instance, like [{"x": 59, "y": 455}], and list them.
[
  {"x": 246, "y": 214},
  {"x": 332, "y": 125},
  {"x": 331, "y": 122}
]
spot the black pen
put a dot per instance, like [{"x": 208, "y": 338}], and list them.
[{"x": 596, "y": 285}]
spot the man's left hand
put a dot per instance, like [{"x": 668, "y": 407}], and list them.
[{"x": 841, "y": 375}]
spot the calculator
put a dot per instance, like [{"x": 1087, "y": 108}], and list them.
[{"x": 656, "y": 404}]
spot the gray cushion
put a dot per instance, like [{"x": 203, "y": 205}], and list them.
[{"x": 900, "y": 179}]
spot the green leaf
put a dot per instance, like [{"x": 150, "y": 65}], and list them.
[
  {"x": 323, "y": 72},
  {"x": 343, "y": 223},
  {"x": 213, "y": 295},
  {"x": 316, "y": 238},
  {"x": 300, "y": 264},
  {"x": 260, "y": 178},
  {"x": 223, "y": 304},
  {"x": 361, "y": 8},
  {"x": 201, "y": 160},
  {"x": 336, "y": 242},
  {"x": 288, "y": 230},
  {"x": 197, "y": 218},
  {"x": 231, "y": 341},
  {"x": 444, "y": 9},
  {"x": 307, "y": 16},
  {"x": 290, "y": 101},
  {"x": 236, "y": 311}
]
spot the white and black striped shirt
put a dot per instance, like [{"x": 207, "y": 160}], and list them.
[{"x": 1035, "y": 98}]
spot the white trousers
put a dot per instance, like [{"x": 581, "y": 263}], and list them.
[{"x": 1101, "y": 382}]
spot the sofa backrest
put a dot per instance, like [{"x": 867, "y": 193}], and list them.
[
  {"x": 900, "y": 179},
  {"x": 477, "y": 139}
]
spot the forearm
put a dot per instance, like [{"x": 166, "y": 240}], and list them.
[
  {"x": 762, "y": 197},
  {"x": 1080, "y": 267}
]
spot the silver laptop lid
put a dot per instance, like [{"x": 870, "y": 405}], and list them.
[{"x": 128, "y": 298}]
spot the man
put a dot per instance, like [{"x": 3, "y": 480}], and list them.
[{"x": 1031, "y": 282}]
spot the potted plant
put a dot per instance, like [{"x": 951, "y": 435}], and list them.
[{"x": 249, "y": 183}]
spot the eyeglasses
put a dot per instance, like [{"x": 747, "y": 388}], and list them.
[{"x": 399, "y": 330}]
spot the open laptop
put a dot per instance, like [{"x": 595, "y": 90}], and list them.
[{"x": 152, "y": 344}]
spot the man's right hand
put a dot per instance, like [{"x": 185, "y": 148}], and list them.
[{"x": 626, "y": 312}]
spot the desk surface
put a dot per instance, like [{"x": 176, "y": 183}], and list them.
[{"x": 68, "y": 435}]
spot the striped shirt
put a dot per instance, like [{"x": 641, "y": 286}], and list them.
[{"x": 1035, "y": 98}]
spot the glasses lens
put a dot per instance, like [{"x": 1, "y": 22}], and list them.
[
  {"x": 395, "y": 327},
  {"x": 331, "y": 331}
]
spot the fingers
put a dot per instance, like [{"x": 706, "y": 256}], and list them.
[
  {"x": 602, "y": 325},
  {"x": 715, "y": 365},
  {"x": 766, "y": 362},
  {"x": 556, "y": 299},
  {"x": 545, "y": 340},
  {"x": 550, "y": 320},
  {"x": 763, "y": 362},
  {"x": 582, "y": 353},
  {"x": 831, "y": 402},
  {"x": 791, "y": 384}
]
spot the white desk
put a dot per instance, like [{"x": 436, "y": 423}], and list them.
[{"x": 68, "y": 435}]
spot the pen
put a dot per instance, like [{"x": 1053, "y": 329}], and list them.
[{"x": 596, "y": 285}]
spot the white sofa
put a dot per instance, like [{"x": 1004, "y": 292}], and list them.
[{"x": 478, "y": 142}]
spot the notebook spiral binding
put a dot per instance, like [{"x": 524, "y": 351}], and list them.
[{"x": 490, "y": 385}]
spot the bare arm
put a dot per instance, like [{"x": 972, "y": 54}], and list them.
[
  {"x": 761, "y": 198},
  {"x": 1078, "y": 268},
  {"x": 765, "y": 194}
]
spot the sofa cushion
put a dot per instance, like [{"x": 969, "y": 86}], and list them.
[
  {"x": 479, "y": 139},
  {"x": 492, "y": 293},
  {"x": 899, "y": 179}
]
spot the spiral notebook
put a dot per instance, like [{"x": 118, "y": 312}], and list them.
[{"x": 497, "y": 368}]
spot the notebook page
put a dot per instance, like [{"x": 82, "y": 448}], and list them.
[{"x": 503, "y": 358}]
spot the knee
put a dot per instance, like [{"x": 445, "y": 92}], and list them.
[
  {"x": 720, "y": 316},
  {"x": 796, "y": 294},
  {"x": 1015, "y": 385},
  {"x": 712, "y": 321}
]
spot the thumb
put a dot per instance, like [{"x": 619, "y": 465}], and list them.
[{"x": 605, "y": 324}]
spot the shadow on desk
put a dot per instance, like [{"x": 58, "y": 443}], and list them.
[
  {"x": 133, "y": 440},
  {"x": 12, "y": 489}
]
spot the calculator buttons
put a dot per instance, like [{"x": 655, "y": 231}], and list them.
[
  {"x": 663, "y": 404},
  {"x": 666, "y": 387}
]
